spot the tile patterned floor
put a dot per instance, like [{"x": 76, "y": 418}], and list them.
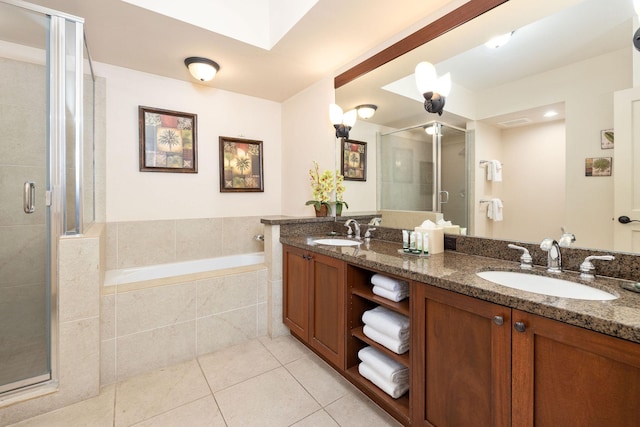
[{"x": 265, "y": 382}]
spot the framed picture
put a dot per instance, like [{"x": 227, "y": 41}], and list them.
[
  {"x": 354, "y": 160},
  {"x": 167, "y": 141},
  {"x": 241, "y": 165},
  {"x": 606, "y": 139},
  {"x": 597, "y": 166}
]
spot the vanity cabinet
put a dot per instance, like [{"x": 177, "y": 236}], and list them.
[
  {"x": 461, "y": 359},
  {"x": 565, "y": 375},
  {"x": 479, "y": 363},
  {"x": 314, "y": 302}
]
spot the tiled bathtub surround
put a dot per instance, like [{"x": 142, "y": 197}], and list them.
[
  {"x": 154, "y": 324},
  {"x": 141, "y": 243}
]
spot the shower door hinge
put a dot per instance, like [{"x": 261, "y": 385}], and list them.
[{"x": 47, "y": 198}]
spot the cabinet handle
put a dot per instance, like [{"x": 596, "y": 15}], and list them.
[
  {"x": 498, "y": 320},
  {"x": 520, "y": 326},
  {"x": 307, "y": 257}
]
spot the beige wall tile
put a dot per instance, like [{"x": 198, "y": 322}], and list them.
[
  {"x": 238, "y": 235},
  {"x": 226, "y": 329},
  {"x": 273, "y": 251},
  {"x": 198, "y": 238},
  {"x": 79, "y": 280},
  {"x": 107, "y": 362},
  {"x": 262, "y": 321},
  {"x": 146, "y": 309},
  {"x": 22, "y": 315},
  {"x": 111, "y": 246},
  {"x": 274, "y": 315},
  {"x": 226, "y": 293},
  {"x": 107, "y": 317},
  {"x": 80, "y": 358},
  {"x": 146, "y": 243},
  {"x": 158, "y": 348},
  {"x": 263, "y": 290}
]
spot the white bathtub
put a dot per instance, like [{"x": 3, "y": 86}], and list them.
[{"x": 160, "y": 271}]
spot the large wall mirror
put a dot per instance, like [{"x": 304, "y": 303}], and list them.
[{"x": 566, "y": 56}]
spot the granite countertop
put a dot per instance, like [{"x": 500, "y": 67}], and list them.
[{"x": 457, "y": 272}]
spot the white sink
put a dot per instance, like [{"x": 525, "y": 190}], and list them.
[
  {"x": 545, "y": 285},
  {"x": 337, "y": 242}
]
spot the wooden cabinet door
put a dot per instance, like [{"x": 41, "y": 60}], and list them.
[
  {"x": 461, "y": 360},
  {"x": 327, "y": 309},
  {"x": 564, "y": 375},
  {"x": 295, "y": 305}
]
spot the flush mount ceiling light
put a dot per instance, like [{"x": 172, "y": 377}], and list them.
[
  {"x": 434, "y": 89},
  {"x": 499, "y": 41},
  {"x": 550, "y": 113},
  {"x": 366, "y": 111},
  {"x": 342, "y": 122},
  {"x": 202, "y": 69}
]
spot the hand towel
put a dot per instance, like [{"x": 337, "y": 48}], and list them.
[
  {"x": 390, "y": 295},
  {"x": 494, "y": 170},
  {"x": 393, "y": 390},
  {"x": 389, "y": 283},
  {"x": 384, "y": 366},
  {"x": 393, "y": 344},
  {"x": 494, "y": 210},
  {"x": 392, "y": 324}
]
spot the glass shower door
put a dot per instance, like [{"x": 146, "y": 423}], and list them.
[
  {"x": 24, "y": 216},
  {"x": 453, "y": 175}
]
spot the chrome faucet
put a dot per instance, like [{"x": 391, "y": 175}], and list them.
[
  {"x": 587, "y": 268},
  {"x": 356, "y": 228},
  {"x": 554, "y": 258},
  {"x": 566, "y": 239},
  {"x": 526, "y": 262}
]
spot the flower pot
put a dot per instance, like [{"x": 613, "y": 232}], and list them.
[{"x": 323, "y": 211}]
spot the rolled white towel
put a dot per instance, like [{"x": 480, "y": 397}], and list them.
[
  {"x": 392, "y": 389},
  {"x": 391, "y": 295},
  {"x": 385, "y": 366},
  {"x": 388, "y": 322},
  {"x": 393, "y": 344},
  {"x": 389, "y": 283}
]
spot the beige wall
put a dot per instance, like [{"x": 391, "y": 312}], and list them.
[{"x": 139, "y": 196}]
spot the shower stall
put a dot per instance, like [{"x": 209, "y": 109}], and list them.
[
  {"x": 424, "y": 168},
  {"x": 46, "y": 179}
]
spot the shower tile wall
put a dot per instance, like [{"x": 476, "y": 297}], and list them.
[
  {"x": 140, "y": 243},
  {"x": 23, "y": 252}
]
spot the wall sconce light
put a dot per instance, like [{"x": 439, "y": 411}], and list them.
[
  {"x": 366, "y": 111},
  {"x": 434, "y": 89},
  {"x": 202, "y": 69},
  {"x": 343, "y": 122}
]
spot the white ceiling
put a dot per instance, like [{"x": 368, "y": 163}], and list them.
[{"x": 330, "y": 35}]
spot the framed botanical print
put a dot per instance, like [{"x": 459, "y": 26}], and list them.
[
  {"x": 354, "y": 160},
  {"x": 241, "y": 165},
  {"x": 167, "y": 141}
]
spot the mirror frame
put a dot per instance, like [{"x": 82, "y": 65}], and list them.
[{"x": 465, "y": 13}]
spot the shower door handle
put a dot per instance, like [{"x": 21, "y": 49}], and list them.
[
  {"x": 444, "y": 196},
  {"x": 29, "y": 197}
]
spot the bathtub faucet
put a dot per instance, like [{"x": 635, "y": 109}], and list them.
[{"x": 259, "y": 237}]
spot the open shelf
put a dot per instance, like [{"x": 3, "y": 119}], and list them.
[
  {"x": 398, "y": 408},
  {"x": 401, "y": 307},
  {"x": 400, "y": 358}
]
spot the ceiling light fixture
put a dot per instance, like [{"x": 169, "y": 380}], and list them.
[
  {"x": 202, "y": 69},
  {"x": 499, "y": 41},
  {"x": 550, "y": 113},
  {"x": 342, "y": 122},
  {"x": 430, "y": 130},
  {"x": 434, "y": 89},
  {"x": 366, "y": 111}
]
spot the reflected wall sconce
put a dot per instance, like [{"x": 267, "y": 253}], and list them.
[
  {"x": 202, "y": 69},
  {"x": 342, "y": 122},
  {"x": 434, "y": 89},
  {"x": 366, "y": 111}
]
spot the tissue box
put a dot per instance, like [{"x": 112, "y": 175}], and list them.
[
  {"x": 451, "y": 229},
  {"x": 436, "y": 238}
]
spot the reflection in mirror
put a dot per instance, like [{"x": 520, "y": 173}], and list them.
[{"x": 571, "y": 61}]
